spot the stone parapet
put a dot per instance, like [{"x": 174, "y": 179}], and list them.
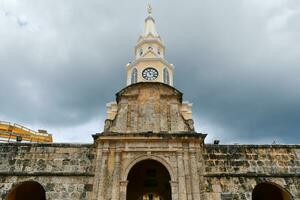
[
  {"x": 252, "y": 159},
  {"x": 233, "y": 171},
  {"x": 46, "y": 158},
  {"x": 65, "y": 171}
]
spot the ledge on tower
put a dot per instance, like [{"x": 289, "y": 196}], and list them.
[{"x": 150, "y": 136}]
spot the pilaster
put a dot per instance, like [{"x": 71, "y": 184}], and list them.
[
  {"x": 195, "y": 176},
  {"x": 187, "y": 174},
  {"x": 97, "y": 172},
  {"x": 116, "y": 177},
  {"x": 181, "y": 177},
  {"x": 102, "y": 176}
]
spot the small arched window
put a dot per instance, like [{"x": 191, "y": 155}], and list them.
[
  {"x": 141, "y": 52},
  {"x": 166, "y": 76},
  {"x": 134, "y": 76}
]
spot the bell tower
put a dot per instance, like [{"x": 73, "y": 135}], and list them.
[{"x": 149, "y": 64}]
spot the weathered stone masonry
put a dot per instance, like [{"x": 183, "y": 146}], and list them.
[
  {"x": 65, "y": 171},
  {"x": 232, "y": 171},
  {"x": 149, "y": 124},
  {"x": 68, "y": 171}
]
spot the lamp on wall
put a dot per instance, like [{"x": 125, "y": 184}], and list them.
[{"x": 216, "y": 141}]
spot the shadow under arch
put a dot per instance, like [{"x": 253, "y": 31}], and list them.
[
  {"x": 270, "y": 191},
  {"x": 148, "y": 179},
  {"x": 27, "y": 190},
  {"x": 149, "y": 157}
]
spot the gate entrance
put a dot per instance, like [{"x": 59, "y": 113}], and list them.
[
  {"x": 264, "y": 191},
  {"x": 29, "y": 190},
  {"x": 148, "y": 180}
]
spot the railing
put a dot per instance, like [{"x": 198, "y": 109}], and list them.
[
  {"x": 5, "y": 123},
  {"x": 13, "y": 130}
]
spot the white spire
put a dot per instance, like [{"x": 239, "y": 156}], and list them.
[
  {"x": 149, "y": 63},
  {"x": 150, "y": 24},
  {"x": 149, "y": 9}
]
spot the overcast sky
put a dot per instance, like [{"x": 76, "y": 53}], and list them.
[{"x": 238, "y": 61}]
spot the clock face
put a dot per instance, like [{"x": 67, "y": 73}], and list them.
[{"x": 150, "y": 74}]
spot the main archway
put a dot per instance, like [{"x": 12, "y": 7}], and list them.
[
  {"x": 266, "y": 191},
  {"x": 148, "y": 180},
  {"x": 29, "y": 190}
]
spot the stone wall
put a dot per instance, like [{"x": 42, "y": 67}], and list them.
[
  {"x": 232, "y": 171},
  {"x": 64, "y": 170},
  {"x": 99, "y": 171}
]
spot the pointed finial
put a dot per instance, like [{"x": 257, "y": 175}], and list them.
[{"x": 149, "y": 9}]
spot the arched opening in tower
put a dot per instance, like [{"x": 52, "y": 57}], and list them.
[
  {"x": 27, "y": 190},
  {"x": 269, "y": 191},
  {"x": 148, "y": 180}
]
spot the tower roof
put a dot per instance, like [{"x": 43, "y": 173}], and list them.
[{"x": 150, "y": 24}]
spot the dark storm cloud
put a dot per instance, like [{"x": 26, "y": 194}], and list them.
[{"x": 237, "y": 61}]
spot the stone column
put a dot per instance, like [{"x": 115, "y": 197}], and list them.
[
  {"x": 195, "y": 177},
  {"x": 174, "y": 190},
  {"x": 102, "y": 176},
  {"x": 201, "y": 170},
  {"x": 97, "y": 173},
  {"x": 181, "y": 177},
  {"x": 116, "y": 177},
  {"x": 187, "y": 175},
  {"x": 123, "y": 189}
]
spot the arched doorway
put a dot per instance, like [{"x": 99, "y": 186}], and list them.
[
  {"x": 148, "y": 180},
  {"x": 269, "y": 191},
  {"x": 29, "y": 190}
]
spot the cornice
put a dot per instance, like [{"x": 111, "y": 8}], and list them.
[
  {"x": 143, "y": 40},
  {"x": 149, "y": 136},
  {"x": 52, "y": 174},
  {"x": 252, "y": 175},
  {"x": 164, "y": 61}
]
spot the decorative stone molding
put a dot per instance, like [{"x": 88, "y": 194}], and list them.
[
  {"x": 159, "y": 159},
  {"x": 112, "y": 109},
  {"x": 186, "y": 110}
]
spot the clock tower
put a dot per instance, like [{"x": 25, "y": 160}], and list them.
[
  {"x": 149, "y": 102},
  {"x": 149, "y": 64}
]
